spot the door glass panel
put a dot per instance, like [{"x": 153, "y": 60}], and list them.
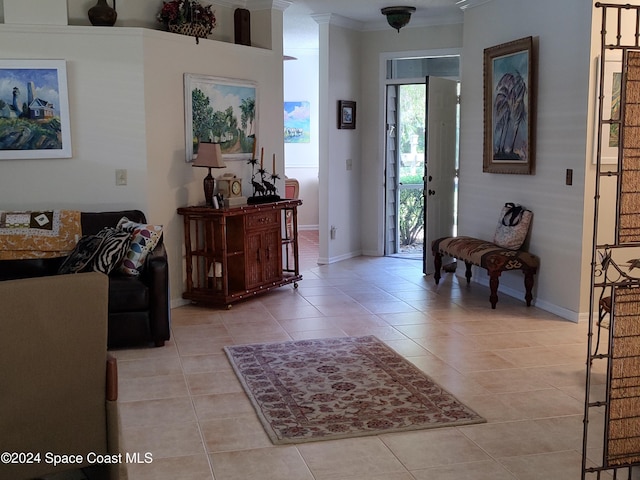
[{"x": 411, "y": 125}]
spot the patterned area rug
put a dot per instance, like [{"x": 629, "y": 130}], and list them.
[{"x": 333, "y": 388}]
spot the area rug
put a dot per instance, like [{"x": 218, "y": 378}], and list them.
[{"x": 344, "y": 387}]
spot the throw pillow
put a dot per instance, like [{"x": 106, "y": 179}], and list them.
[
  {"x": 80, "y": 258},
  {"x": 144, "y": 238},
  {"x": 113, "y": 249},
  {"x": 513, "y": 226}
]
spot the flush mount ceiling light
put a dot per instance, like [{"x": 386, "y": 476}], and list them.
[{"x": 398, "y": 17}]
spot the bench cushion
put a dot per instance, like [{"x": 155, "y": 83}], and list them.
[{"x": 485, "y": 254}]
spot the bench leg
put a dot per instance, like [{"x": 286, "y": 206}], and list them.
[
  {"x": 467, "y": 272},
  {"x": 528, "y": 286},
  {"x": 437, "y": 265},
  {"x": 494, "y": 281}
]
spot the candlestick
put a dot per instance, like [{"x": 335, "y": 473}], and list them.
[
  {"x": 262, "y": 158},
  {"x": 273, "y": 171},
  {"x": 253, "y": 153}
]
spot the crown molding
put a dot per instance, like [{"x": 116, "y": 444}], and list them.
[{"x": 338, "y": 20}]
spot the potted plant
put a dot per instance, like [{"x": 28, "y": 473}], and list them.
[{"x": 187, "y": 17}]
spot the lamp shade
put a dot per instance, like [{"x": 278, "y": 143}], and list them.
[
  {"x": 398, "y": 17},
  {"x": 209, "y": 155}
]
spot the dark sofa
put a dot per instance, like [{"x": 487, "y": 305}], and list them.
[{"x": 138, "y": 306}]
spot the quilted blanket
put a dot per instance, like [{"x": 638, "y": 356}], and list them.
[{"x": 32, "y": 234}]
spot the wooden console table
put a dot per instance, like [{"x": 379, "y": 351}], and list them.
[{"x": 238, "y": 252}]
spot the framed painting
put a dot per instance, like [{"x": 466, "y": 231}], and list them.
[
  {"x": 346, "y": 114},
  {"x": 509, "y": 103},
  {"x": 34, "y": 109},
  {"x": 611, "y": 95},
  {"x": 297, "y": 122},
  {"x": 220, "y": 110}
]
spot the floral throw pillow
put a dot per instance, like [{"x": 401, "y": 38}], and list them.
[{"x": 144, "y": 238}]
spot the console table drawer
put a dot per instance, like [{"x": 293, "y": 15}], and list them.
[{"x": 263, "y": 219}]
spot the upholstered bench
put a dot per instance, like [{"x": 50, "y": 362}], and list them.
[{"x": 502, "y": 256}]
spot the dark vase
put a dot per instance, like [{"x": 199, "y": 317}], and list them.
[{"x": 102, "y": 15}]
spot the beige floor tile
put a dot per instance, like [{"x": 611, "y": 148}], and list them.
[
  {"x": 411, "y": 318},
  {"x": 205, "y": 363},
  {"x": 474, "y": 361},
  {"x": 385, "y": 334},
  {"x": 294, "y": 312},
  {"x": 510, "y": 380},
  {"x": 526, "y": 437},
  {"x": 236, "y": 433},
  {"x": 166, "y": 411},
  {"x": 149, "y": 367},
  {"x": 387, "y": 306},
  {"x": 225, "y": 405},
  {"x": 485, "y": 470},
  {"x": 150, "y": 388},
  {"x": 430, "y": 448},
  {"x": 566, "y": 464},
  {"x": 351, "y": 457},
  {"x": 188, "y": 332},
  {"x": 282, "y": 463},
  {"x": 313, "y": 334},
  {"x": 213, "y": 383},
  {"x": 164, "y": 440},
  {"x": 202, "y": 345},
  {"x": 193, "y": 467}
]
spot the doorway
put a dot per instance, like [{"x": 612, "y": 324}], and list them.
[{"x": 421, "y": 154}]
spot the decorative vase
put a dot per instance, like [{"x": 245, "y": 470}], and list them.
[{"x": 102, "y": 15}]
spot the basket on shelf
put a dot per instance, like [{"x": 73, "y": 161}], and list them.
[{"x": 191, "y": 29}]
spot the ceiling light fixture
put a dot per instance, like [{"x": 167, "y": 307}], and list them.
[{"x": 398, "y": 17}]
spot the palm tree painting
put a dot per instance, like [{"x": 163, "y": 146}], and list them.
[
  {"x": 221, "y": 111},
  {"x": 509, "y": 95},
  {"x": 510, "y": 115}
]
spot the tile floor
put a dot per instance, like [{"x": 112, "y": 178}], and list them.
[{"x": 521, "y": 368}]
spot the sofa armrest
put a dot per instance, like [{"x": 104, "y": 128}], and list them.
[{"x": 156, "y": 277}]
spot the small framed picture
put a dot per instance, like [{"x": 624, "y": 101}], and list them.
[{"x": 346, "y": 114}]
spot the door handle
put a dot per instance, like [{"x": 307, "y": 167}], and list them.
[{"x": 431, "y": 192}]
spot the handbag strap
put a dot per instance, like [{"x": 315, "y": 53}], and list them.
[{"x": 513, "y": 215}]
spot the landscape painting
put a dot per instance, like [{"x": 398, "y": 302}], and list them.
[
  {"x": 220, "y": 110},
  {"x": 297, "y": 127},
  {"x": 509, "y": 102},
  {"x": 34, "y": 109}
]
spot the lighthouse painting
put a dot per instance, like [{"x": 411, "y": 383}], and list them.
[{"x": 34, "y": 109}]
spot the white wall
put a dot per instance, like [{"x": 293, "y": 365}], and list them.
[
  {"x": 301, "y": 78},
  {"x": 126, "y": 99},
  {"x": 340, "y": 186},
  {"x": 563, "y": 37}
]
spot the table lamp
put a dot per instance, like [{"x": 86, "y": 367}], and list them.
[{"x": 210, "y": 156}]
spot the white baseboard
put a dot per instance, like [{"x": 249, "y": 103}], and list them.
[
  {"x": 327, "y": 261},
  {"x": 307, "y": 227}
]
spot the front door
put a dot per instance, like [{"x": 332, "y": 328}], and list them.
[{"x": 440, "y": 189}]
